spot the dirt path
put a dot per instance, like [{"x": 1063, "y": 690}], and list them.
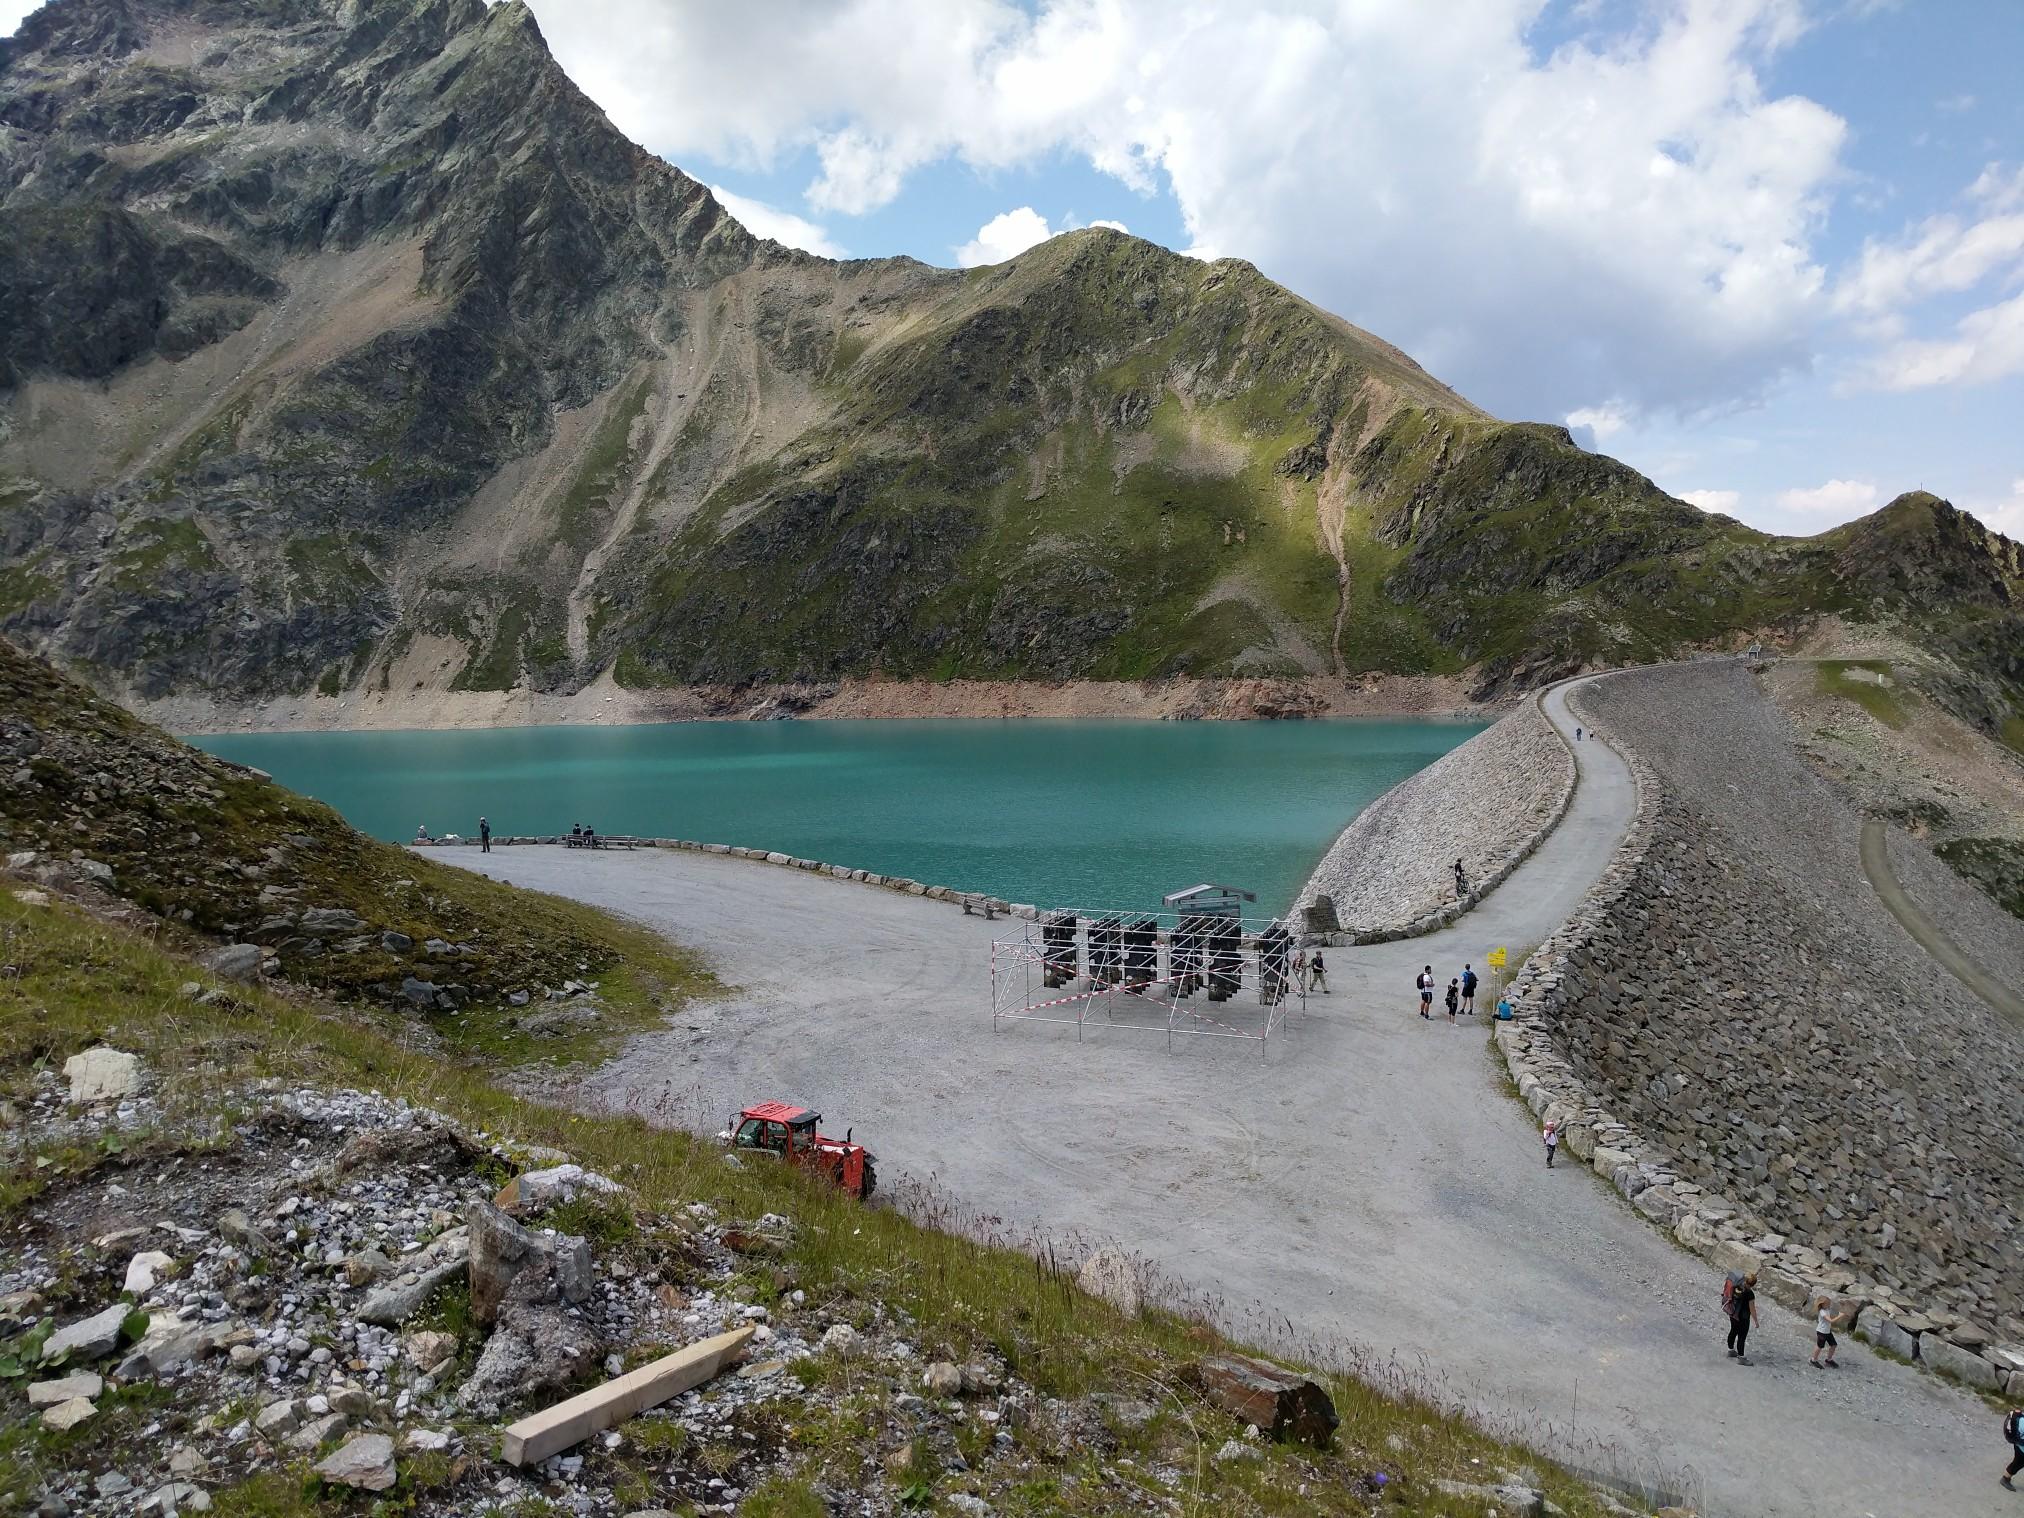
[
  {"x": 1369, "y": 1185},
  {"x": 1930, "y": 935}
]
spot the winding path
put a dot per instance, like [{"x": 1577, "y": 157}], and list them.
[
  {"x": 1929, "y": 935},
  {"x": 1369, "y": 1184}
]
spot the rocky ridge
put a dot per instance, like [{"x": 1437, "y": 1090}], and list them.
[{"x": 352, "y": 350}]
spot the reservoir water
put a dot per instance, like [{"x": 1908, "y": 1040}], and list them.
[{"x": 1055, "y": 812}]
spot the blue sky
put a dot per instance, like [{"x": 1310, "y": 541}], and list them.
[{"x": 1769, "y": 251}]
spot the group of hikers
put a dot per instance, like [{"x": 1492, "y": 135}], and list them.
[
  {"x": 579, "y": 837},
  {"x": 423, "y": 835},
  {"x": 1460, "y": 997},
  {"x": 1310, "y": 973}
]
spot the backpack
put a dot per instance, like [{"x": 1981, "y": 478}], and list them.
[
  {"x": 2012, "y": 1431},
  {"x": 1729, "y": 1284},
  {"x": 1468, "y": 982}
]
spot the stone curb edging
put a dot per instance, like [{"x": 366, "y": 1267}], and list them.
[
  {"x": 970, "y": 901},
  {"x": 1449, "y": 913},
  {"x": 1705, "y": 1223}
]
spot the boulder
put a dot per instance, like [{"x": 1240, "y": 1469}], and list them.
[
  {"x": 843, "y": 1341},
  {"x": 1885, "y": 1334},
  {"x": 66, "y": 1415},
  {"x": 1661, "y": 1204},
  {"x": 331, "y": 922},
  {"x": 536, "y": 1348},
  {"x": 102, "y": 1075},
  {"x": 1965, "y": 1364},
  {"x": 1282, "y": 1403},
  {"x": 88, "y": 1338},
  {"x": 236, "y": 961},
  {"x": 1730, "y": 1255},
  {"x": 403, "y": 1296},
  {"x": 538, "y": 1190},
  {"x": 1111, "y": 1276},
  {"x": 531, "y": 1267},
  {"x": 942, "y": 1379},
  {"x": 170, "y": 1341},
  {"x": 144, "y": 1270},
  {"x": 366, "y": 1463},
  {"x": 81, "y": 1383},
  {"x": 430, "y": 1347}
]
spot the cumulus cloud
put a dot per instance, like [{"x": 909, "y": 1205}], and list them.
[
  {"x": 1592, "y": 426},
  {"x": 1840, "y": 499},
  {"x": 1115, "y": 226},
  {"x": 1004, "y": 236},
  {"x": 2005, "y": 513},
  {"x": 1985, "y": 345},
  {"x": 785, "y": 228},
  {"x": 1629, "y": 217},
  {"x": 1722, "y": 501}
]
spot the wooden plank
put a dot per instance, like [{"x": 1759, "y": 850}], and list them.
[{"x": 541, "y": 1434}]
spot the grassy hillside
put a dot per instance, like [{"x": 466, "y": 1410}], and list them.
[
  {"x": 204, "y": 853},
  {"x": 387, "y": 364}
]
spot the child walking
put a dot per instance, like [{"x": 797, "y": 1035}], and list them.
[
  {"x": 1823, "y": 1335},
  {"x": 1552, "y": 1136},
  {"x": 1454, "y": 997}
]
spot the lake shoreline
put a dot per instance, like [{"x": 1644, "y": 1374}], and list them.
[{"x": 605, "y": 702}]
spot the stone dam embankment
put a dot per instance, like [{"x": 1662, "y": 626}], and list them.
[
  {"x": 1733, "y": 1029},
  {"x": 1743, "y": 1039},
  {"x": 1390, "y": 873}
]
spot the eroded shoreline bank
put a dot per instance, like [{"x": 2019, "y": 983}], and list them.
[{"x": 605, "y": 702}]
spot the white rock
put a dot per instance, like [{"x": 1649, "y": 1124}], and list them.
[
  {"x": 144, "y": 1270},
  {"x": 81, "y": 1384},
  {"x": 1110, "y": 1275},
  {"x": 102, "y": 1075},
  {"x": 843, "y": 1342},
  {"x": 427, "y": 1439},
  {"x": 88, "y": 1338},
  {"x": 367, "y": 1463},
  {"x": 68, "y": 1414}
]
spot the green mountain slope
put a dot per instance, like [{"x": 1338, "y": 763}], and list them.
[{"x": 348, "y": 347}]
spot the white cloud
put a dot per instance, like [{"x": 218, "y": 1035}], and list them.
[
  {"x": 1840, "y": 499},
  {"x": 1631, "y": 215},
  {"x": 1004, "y": 236},
  {"x": 1115, "y": 226},
  {"x": 1986, "y": 345},
  {"x": 1722, "y": 501},
  {"x": 2005, "y": 514},
  {"x": 1594, "y": 425},
  {"x": 1956, "y": 104},
  {"x": 785, "y": 228}
]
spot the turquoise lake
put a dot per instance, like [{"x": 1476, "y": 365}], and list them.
[{"x": 1055, "y": 812}]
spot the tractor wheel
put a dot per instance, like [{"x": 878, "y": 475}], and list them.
[{"x": 870, "y": 1182}]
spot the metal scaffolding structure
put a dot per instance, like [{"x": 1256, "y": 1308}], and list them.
[{"x": 1193, "y": 970}]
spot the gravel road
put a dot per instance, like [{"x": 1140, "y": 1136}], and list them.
[{"x": 1368, "y": 1183}]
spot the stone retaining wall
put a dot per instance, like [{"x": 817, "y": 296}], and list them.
[
  {"x": 1756, "y": 1065},
  {"x": 1492, "y": 801}
]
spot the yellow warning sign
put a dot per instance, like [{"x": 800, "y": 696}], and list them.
[{"x": 1496, "y": 958}]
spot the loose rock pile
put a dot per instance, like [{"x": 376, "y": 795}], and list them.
[
  {"x": 1390, "y": 874},
  {"x": 1760, "y": 1067}
]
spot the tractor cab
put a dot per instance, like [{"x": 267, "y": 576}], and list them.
[{"x": 789, "y": 1133}]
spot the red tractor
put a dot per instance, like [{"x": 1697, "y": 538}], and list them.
[{"x": 788, "y": 1133}]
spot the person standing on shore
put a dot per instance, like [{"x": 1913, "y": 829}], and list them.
[
  {"x": 1469, "y": 990},
  {"x": 1739, "y": 1300},
  {"x": 484, "y": 836}
]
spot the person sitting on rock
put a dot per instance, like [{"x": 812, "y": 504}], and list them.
[
  {"x": 422, "y": 833},
  {"x": 575, "y": 840}
]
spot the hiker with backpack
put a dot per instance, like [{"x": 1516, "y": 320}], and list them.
[
  {"x": 2013, "y": 1430},
  {"x": 1739, "y": 1303},
  {"x": 1424, "y": 982},
  {"x": 1454, "y": 996},
  {"x": 1469, "y": 990}
]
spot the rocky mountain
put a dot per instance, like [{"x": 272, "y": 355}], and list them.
[{"x": 345, "y": 345}]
